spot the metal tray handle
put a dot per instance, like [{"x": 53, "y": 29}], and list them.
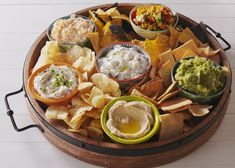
[
  {"x": 10, "y": 113},
  {"x": 218, "y": 35}
]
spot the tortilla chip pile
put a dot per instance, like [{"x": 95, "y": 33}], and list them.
[{"x": 82, "y": 115}]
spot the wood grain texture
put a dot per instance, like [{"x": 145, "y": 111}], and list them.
[{"x": 30, "y": 148}]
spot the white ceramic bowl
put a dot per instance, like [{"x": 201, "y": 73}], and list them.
[{"x": 148, "y": 33}]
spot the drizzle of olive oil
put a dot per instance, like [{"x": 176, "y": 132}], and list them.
[{"x": 130, "y": 127}]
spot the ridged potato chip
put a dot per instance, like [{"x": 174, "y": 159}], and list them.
[
  {"x": 57, "y": 112},
  {"x": 84, "y": 87},
  {"x": 95, "y": 123},
  {"x": 95, "y": 133}
]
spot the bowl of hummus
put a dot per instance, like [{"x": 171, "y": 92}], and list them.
[
  {"x": 124, "y": 62},
  {"x": 54, "y": 83},
  {"x": 199, "y": 79},
  {"x": 130, "y": 120}
]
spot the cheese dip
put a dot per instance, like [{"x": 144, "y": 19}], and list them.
[
  {"x": 56, "y": 82},
  {"x": 72, "y": 31},
  {"x": 123, "y": 63}
]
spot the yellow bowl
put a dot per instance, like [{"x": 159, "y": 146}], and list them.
[{"x": 153, "y": 131}]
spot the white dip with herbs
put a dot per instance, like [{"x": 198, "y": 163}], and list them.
[
  {"x": 56, "y": 82},
  {"x": 123, "y": 63}
]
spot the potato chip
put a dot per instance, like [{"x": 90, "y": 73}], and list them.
[
  {"x": 77, "y": 120},
  {"x": 95, "y": 133},
  {"x": 81, "y": 131},
  {"x": 83, "y": 76},
  {"x": 171, "y": 125},
  {"x": 57, "y": 112},
  {"x": 50, "y": 53},
  {"x": 85, "y": 97},
  {"x": 95, "y": 91},
  {"x": 152, "y": 87},
  {"x": 80, "y": 110},
  {"x": 74, "y": 53},
  {"x": 94, "y": 113},
  {"x": 84, "y": 87},
  {"x": 95, "y": 40},
  {"x": 96, "y": 123},
  {"x": 179, "y": 52},
  {"x": 98, "y": 101},
  {"x": 104, "y": 83},
  {"x": 116, "y": 93},
  {"x": 175, "y": 103},
  {"x": 77, "y": 101}
]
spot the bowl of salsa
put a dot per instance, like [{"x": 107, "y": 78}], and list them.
[{"x": 150, "y": 19}]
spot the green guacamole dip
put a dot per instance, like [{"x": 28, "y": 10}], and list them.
[{"x": 200, "y": 76}]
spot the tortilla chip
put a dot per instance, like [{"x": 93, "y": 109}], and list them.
[
  {"x": 99, "y": 25},
  {"x": 171, "y": 125},
  {"x": 170, "y": 88},
  {"x": 187, "y": 35},
  {"x": 138, "y": 43},
  {"x": 152, "y": 87},
  {"x": 189, "y": 53},
  {"x": 175, "y": 103},
  {"x": 179, "y": 52},
  {"x": 107, "y": 36},
  {"x": 135, "y": 92},
  {"x": 157, "y": 46},
  {"x": 153, "y": 72},
  {"x": 166, "y": 56},
  {"x": 95, "y": 40},
  {"x": 164, "y": 73},
  {"x": 215, "y": 58},
  {"x": 180, "y": 109},
  {"x": 198, "y": 110},
  {"x": 173, "y": 40},
  {"x": 169, "y": 95},
  {"x": 103, "y": 15}
]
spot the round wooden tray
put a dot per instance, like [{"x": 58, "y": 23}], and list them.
[{"x": 110, "y": 154}]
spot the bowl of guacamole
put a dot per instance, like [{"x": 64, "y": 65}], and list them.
[{"x": 200, "y": 79}]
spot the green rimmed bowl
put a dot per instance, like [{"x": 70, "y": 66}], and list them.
[
  {"x": 195, "y": 97},
  {"x": 153, "y": 131}
]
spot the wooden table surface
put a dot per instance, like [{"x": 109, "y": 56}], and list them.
[{"x": 21, "y": 21}]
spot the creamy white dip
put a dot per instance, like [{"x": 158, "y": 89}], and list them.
[
  {"x": 56, "y": 82},
  {"x": 72, "y": 31},
  {"x": 123, "y": 63}
]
